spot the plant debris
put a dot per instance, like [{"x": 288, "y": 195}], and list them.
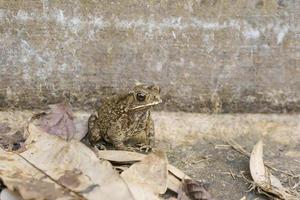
[
  {"x": 264, "y": 179},
  {"x": 120, "y": 156},
  {"x": 12, "y": 141},
  {"x": 195, "y": 190},
  {"x": 9, "y": 195},
  {"x": 4, "y": 128},
  {"x": 63, "y": 168},
  {"x": 62, "y": 122},
  {"x": 53, "y": 168},
  {"x": 148, "y": 178}
]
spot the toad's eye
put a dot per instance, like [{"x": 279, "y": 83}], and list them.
[{"x": 140, "y": 96}]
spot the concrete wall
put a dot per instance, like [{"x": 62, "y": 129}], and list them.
[{"x": 207, "y": 55}]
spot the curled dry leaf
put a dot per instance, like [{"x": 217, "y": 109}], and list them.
[
  {"x": 263, "y": 177},
  {"x": 62, "y": 122},
  {"x": 148, "y": 178},
  {"x": 61, "y": 168}
]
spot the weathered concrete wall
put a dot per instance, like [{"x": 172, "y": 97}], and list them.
[{"x": 207, "y": 55}]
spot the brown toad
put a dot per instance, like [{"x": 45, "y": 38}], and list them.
[{"x": 123, "y": 117}]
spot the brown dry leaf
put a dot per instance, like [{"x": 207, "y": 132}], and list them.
[
  {"x": 177, "y": 172},
  {"x": 12, "y": 141},
  {"x": 62, "y": 122},
  {"x": 183, "y": 196},
  {"x": 4, "y": 128},
  {"x": 19, "y": 175},
  {"x": 9, "y": 195},
  {"x": 148, "y": 178},
  {"x": 195, "y": 190},
  {"x": 129, "y": 157},
  {"x": 263, "y": 177},
  {"x": 71, "y": 165},
  {"x": 120, "y": 156},
  {"x": 174, "y": 183}
]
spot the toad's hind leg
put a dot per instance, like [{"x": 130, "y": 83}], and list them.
[{"x": 94, "y": 134}]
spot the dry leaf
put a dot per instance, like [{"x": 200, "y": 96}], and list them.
[
  {"x": 130, "y": 157},
  {"x": 148, "y": 178},
  {"x": 12, "y": 141},
  {"x": 195, "y": 190},
  {"x": 81, "y": 125},
  {"x": 120, "y": 156},
  {"x": 183, "y": 196},
  {"x": 174, "y": 183},
  {"x": 60, "y": 121},
  {"x": 19, "y": 175},
  {"x": 175, "y": 175},
  {"x": 9, "y": 195},
  {"x": 263, "y": 177},
  {"x": 70, "y": 164},
  {"x": 177, "y": 172},
  {"x": 4, "y": 128}
]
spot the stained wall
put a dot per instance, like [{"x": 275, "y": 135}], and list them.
[{"x": 207, "y": 55}]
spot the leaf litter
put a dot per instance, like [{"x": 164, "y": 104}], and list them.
[
  {"x": 70, "y": 165},
  {"x": 54, "y": 164}
]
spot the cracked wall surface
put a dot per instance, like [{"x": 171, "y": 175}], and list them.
[{"x": 207, "y": 55}]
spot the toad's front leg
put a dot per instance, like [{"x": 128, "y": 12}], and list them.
[
  {"x": 94, "y": 134},
  {"x": 150, "y": 137}
]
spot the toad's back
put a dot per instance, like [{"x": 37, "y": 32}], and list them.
[{"x": 110, "y": 111}]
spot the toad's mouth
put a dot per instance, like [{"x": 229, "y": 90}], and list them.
[{"x": 141, "y": 107}]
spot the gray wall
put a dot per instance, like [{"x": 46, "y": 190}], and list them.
[{"x": 207, "y": 55}]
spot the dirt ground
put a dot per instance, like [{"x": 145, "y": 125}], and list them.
[{"x": 196, "y": 144}]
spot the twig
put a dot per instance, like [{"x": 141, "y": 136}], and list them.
[
  {"x": 222, "y": 146},
  {"x": 298, "y": 161}
]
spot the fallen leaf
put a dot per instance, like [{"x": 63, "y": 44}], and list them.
[
  {"x": 68, "y": 164},
  {"x": 31, "y": 183},
  {"x": 148, "y": 178},
  {"x": 120, "y": 156},
  {"x": 174, "y": 183},
  {"x": 172, "y": 198},
  {"x": 263, "y": 177},
  {"x": 9, "y": 195},
  {"x": 62, "y": 122},
  {"x": 81, "y": 125},
  {"x": 4, "y": 128},
  {"x": 12, "y": 141},
  {"x": 129, "y": 157},
  {"x": 177, "y": 172},
  {"x": 183, "y": 196},
  {"x": 195, "y": 190}
]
